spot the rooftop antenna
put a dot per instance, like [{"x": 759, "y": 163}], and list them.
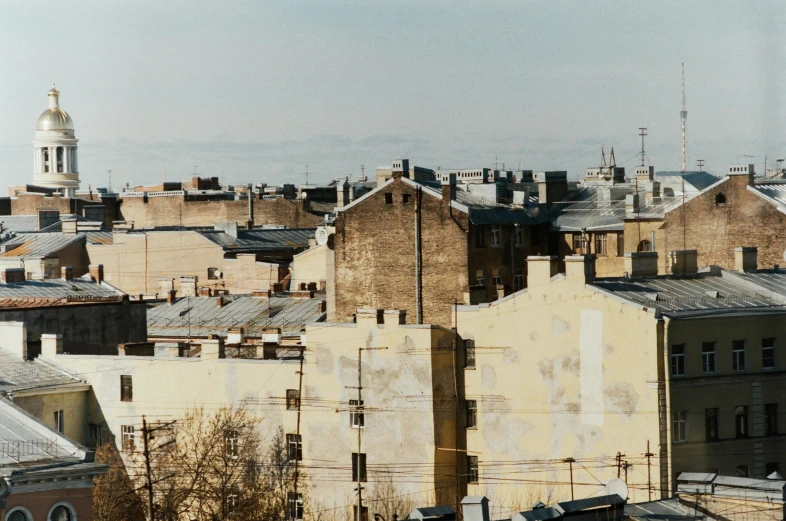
[
  {"x": 642, "y": 133},
  {"x": 363, "y": 173},
  {"x": 306, "y": 175},
  {"x": 109, "y": 172},
  {"x": 700, "y": 162},
  {"x": 612, "y": 160},
  {"x": 496, "y": 163},
  {"x": 602, "y": 156},
  {"x": 683, "y": 118}
]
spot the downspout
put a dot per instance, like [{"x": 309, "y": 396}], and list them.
[
  {"x": 664, "y": 406},
  {"x": 418, "y": 261}
]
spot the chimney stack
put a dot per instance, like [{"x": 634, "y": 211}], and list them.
[
  {"x": 475, "y": 508},
  {"x": 51, "y": 345},
  {"x": 580, "y": 268},
  {"x": 684, "y": 263},
  {"x": 188, "y": 286},
  {"x": 540, "y": 269},
  {"x": 212, "y": 348},
  {"x": 171, "y": 296},
  {"x": 67, "y": 273},
  {"x": 97, "y": 273},
  {"x": 449, "y": 189},
  {"x": 13, "y": 275},
  {"x": 220, "y": 301},
  {"x": 641, "y": 264},
  {"x": 746, "y": 259},
  {"x": 250, "y": 222}
]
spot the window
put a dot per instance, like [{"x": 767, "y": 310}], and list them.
[
  {"x": 231, "y": 443},
  {"x": 406, "y": 198},
  {"x": 518, "y": 280},
  {"x": 19, "y": 514},
  {"x": 771, "y": 467},
  {"x": 720, "y": 200},
  {"x": 294, "y": 505},
  {"x": 767, "y": 353},
  {"x": 742, "y": 471},
  {"x": 678, "y": 360},
  {"x": 358, "y": 465},
  {"x": 59, "y": 153},
  {"x": 710, "y": 424},
  {"x": 96, "y": 435},
  {"x": 213, "y": 273},
  {"x": 518, "y": 237},
  {"x": 496, "y": 278},
  {"x": 293, "y": 399},
  {"x": 578, "y": 243},
  {"x": 620, "y": 244},
  {"x": 480, "y": 278},
  {"x": 472, "y": 414},
  {"x": 232, "y": 499},
  {"x": 708, "y": 357},
  {"x": 738, "y": 355},
  {"x": 294, "y": 447},
  {"x": 679, "y": 430},
  {"x": 643, "y": 246},
  {"x": 770, "y": 419},
  {"x": 469, "y": 353},
  {"x": 126, "y": 389},
  {"x": 388, "y": 198},
  {"x": 59, "y": 421},
  {"x": 61, "y": 513},
  {"x": 600, "y": 244},
  {"x": 472, "y": 469},
  {"x": 128, "y": 437},
  {"x": 357, "y": 418},
  {"x": 741, "y": 421},
  {"x": 480, "y": 237},
  {"x": 496, "y": 235}
]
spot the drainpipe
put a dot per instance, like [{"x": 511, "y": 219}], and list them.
[{"x": 418, "y": 261}]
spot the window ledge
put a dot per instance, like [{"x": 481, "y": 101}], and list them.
[{"x": 470, "y": 368}]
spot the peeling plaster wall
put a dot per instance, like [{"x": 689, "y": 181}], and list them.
[{"x": 559, "y": 374}]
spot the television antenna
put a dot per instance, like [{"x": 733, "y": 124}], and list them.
[{"x": 642, "y": 133}]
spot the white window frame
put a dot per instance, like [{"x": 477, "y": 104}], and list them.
[
  {"x": 60, "y": 421},
  {"x": 231, "y": 443},
  {"x": 294, "y": 505},
  {"x": 677, "y": 356},
  {"x": 518, "y": 280},
  {"x": 28, "y": 515},
  {"x": 128, "y": 437},
  {"x": 771, "y": 349},
  {"x": 496, "y": 278},
  {"x": 480, "y": 278},
  {"x": 518, "y": 237},
  {"x": 496, "y": 236},
  {"x": 601, "y": 244},
  {"x": 294, "y": 447},
  {"x": 707, "y": 356},
  {"x": 679, "y": 426},
  {"x": 738, "y": 358}
]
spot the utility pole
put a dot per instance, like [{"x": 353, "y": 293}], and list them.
[
  {"x": 619, "y": 464},
  {"x": 570, "y": 462},
  {"x": 358, "y": 411},
  {"x": 297, "y": 431},
  {"x": 649, "y": 455},
  {"x": 149, "y": 484},
  {"x": 625, "y": 467}
]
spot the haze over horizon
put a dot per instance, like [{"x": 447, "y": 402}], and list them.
[{"x": 255, "y": 91}]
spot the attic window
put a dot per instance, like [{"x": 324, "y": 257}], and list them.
[
  {"x": 720, "y": 200},
  {"x": 388, "y": 198},
  {"x": 405, "y": 198},
  {"x": 644, "y": 246}
]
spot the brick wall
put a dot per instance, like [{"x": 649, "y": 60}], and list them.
[
  {"x": 175, "y": 211},
  {"x": 375, "y": 255},
  {"x": 715, "y": 229}
]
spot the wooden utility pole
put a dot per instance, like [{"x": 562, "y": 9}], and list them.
[
  {"x": 297, "y": 431},
  {"x": 648, "y": 455},
  {"x": 149, "y": 484},
  {"x": 619, "y": 464},
  {"x": 570, "y": 462}
]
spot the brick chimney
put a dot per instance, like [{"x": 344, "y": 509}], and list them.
[
  {"x": 580, "y": 268},
  {"x": 13, "y": 275},
  {"x": 220, "y": 301},
  {"x": 205, "y": 291},
  {"x": 260, "y": 293},
  {"x": 322, "y": 306},
  {"x": 540, "y": 269},
  {"x": 171, "y": 296},
  {"x": 746, "y": 259},
  {"x": 684, "y": 263},
  {"x": 449, "y": 189},
  {"x": 67, "y": 273},
  {"x": 97, "y": 273},
  {"x": 641, "y": 264}
]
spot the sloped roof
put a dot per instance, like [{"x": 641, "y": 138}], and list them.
[
  {"x": 38, "y": 245},
  {"x": 75, "y": 290},
  {"x": 201, "y": 316},
  {"x": 17, "y": 374},
  {"x": 697, "y": 180},
  {"x": 287, "y": 239}
]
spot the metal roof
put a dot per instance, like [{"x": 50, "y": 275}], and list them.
[
  {"x": 201, "y": 316},
  {"x": 440, "y": 511},
  {"x": 706, "y": 293},
  {"x": 774, "y": 191},
  {"x": 38, "y": 245},
  {"x": 261, "y": 240},
  {"x": 770, "y": 280},
  {"x": 18, "y": 223},
  {"x": 17, "y": 374},
  {"x": 666, "y": 509},
  {"x": 696, "y": 180},
  {"x": 24, "y": 441},
  {"x": 71, "y": 290}
]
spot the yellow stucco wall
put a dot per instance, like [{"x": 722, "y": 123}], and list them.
[
  {"x": 43, "y": 404},
  {"x": 310, "y": 266}
]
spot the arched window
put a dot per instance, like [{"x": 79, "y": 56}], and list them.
[
  {"x": 644, "y": 245},
  {"x": 720, "y": 200},
  {"x": 19, "y": 514},
  {"x": 61, "y": 511}
]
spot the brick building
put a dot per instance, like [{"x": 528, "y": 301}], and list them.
[{"x": 408, "y": 245}]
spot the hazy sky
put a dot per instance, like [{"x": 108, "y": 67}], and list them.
[{"x": 256, "y": 90}]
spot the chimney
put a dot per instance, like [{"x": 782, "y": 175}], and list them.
[
  {"x": 171, "y": 296},
  {"x": 271, "y": 335},
  {"x": 67, "y": 273},
  {"x": 220, "y": 301},
  {"x": 301, "y": 294},
  {"x": 367, "y": 316},
  {"x": 13, "y": 337},
  {"x": 641, "y": 264},
  {"x": 632, "y": 203},
  {"x": 166, "y": 285},
  {"x": 212, "y": 348},
  {"x": 394, "y": 316},
  {"x": 261, "y": 293},
  {"x": 205, "y": 291},
  {"x": 580, "y": 268},
  {"x": 70, "y": 226},
  {"x": 644, "y": 173},
  {"x": 321, "y": 307},
  {"x": 500, "y": 291},
  {"x": 746, "y": 259},
  {"x": 684, "y": 263},
  {"x": 235, "y": 335},
  {"x": 540, "y": 269},
  {"x": 276, "y": 287},
  {"x": 449, "y": 189},
  {"x": 51, "y": 345},
  {"x": 342, "y": 192},
  {"x": 552, "y": 186},
  {"x": 743, "y": 170},
  {"x": 13, "y": 275},
  {"x": 475, "y": 508},
  {"x": 250, "y": 222},
  {"x": 188, "y": 286},
  {"x": 96, "y": 273}
]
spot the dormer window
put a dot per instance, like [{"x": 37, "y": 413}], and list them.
[{"x": 720, "y": 200}]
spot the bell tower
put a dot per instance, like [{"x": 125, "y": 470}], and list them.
[{"x": 54, "y": 149}]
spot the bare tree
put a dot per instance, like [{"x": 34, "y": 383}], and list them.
[{"x": 114, "y": 498}]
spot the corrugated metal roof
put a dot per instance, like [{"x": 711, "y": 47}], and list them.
[
  {"x": 706, "y": 293},
  {"x": 261, "y": 240},
  {"x": 100, "y": 238},
  {"x": 775, "y": 191},
  {"x": 16, "y": 374},
  {"x": 201, "y": 316},
  {"x": 38, "y": 245},
  {"x": 770, "y": 280},
  {"x": 71, "y": 290},
  {"x": 696, "y": 180}
]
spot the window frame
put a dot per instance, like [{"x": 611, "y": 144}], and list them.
[
  {"x": 231, "y": 443},
  {"x": 68, "y": 506},
  {"x": 738, "y": 364},
  {"x": 741, "y": 429},
  {"x": 357, "y": 416},
  {"x": 480, "y": 278},
  {"x": 471, "y": 410},
  {"x": 518, "y": 279},
  {"x": 579, "y": 243},
  {"x": 708, "y": 358},
  {"x": 518, "y": 237},
  {"x": 679, "y": 426},
  {"x": 770, "y": 419},
  {"x": 620, "y": 245},
  {"x": 601, "y": 244},
  {"x": 480, "y": 236},
  {"x": 469, "y": 354},
  {"x": 59, "y": 417},
  {"x": 293, "y": 399},
  {"x": 126, "y": 388},
  {"x": 388, "y": 197},
  {"x": 294, "y": 505},
  {"x": 496, "y": 278},
  {"x": 711, "y": 424},
  {"x": 770, "y": 350},
  {"x": 677, "y": 360},
  {"x": 294, "y": 447},
  {"x": 473, "y": 469},
  {"x": 359, "y": 465},
  {"x": 128, "y": 437},
  {"x": 496, "y": 236}
]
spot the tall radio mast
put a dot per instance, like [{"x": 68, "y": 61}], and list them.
[{"x": 683, "y": 117}]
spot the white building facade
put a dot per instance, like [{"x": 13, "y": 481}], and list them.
[{"x": 54, "y": 149}]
